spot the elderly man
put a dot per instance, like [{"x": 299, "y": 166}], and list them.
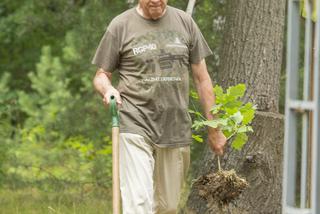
[{"x": 152, "y": 46}]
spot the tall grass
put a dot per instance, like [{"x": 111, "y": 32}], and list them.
[{"x": 72, "y": 201}]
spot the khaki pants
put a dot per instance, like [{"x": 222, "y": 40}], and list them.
[{"x": 150, "y": 178}]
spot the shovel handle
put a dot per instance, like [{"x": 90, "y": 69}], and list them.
[
  {"x": 115, "y": 157},
  {"x": 114, "y": 111}
]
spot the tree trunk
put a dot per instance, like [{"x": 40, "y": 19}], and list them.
[
  {"x": 252, "y": 54},
  {"x": 252, "y": 51}
]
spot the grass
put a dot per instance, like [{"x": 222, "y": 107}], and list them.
[{"x": 35, "y": 201}]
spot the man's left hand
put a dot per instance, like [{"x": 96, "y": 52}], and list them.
[{"x": 216, "y": 140}]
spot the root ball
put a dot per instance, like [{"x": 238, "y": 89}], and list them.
[{"x": 223, "y": 186}]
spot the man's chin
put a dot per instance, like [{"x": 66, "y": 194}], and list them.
[{"x": 156, "y": 16}]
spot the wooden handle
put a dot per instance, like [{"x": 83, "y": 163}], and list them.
[{"x": 115, "y": 171}]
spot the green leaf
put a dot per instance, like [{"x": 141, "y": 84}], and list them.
[
  {"x": 248, "y": 112},
  {"x": 230, "y": 127},
  {"x": 215, "y": 109},
  {"x": 218, "y": 91},
  {"x": 237, "y": 117},
  {"x": 197, "y": 138},
  {"x": 197, "y": 125},
  {"x": 195, "y": 113},
  {"x": 231, "y": 110},
  {"x": 236, "y": 91},
  {"x": 244, "y": 129},
  {"x": 194, "y": 94},
  {"x": 216, "y": 122},
  {"x": 211, "y": 123},
  {"x": 239, "y": 141},
  {"x": 232, "y": 103},
  {"x": 227, "y": 133}
]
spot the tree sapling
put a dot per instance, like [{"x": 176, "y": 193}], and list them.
[{"x": 233, "y": 118}]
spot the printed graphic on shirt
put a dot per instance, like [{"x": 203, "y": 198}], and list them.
[
  {"x": 144, "y": 48},
  {"x": 177, "y": 43},
  {"x": 163, "y": 55}
]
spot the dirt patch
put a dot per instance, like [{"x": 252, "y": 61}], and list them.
[{"x": 222, "y": 186}]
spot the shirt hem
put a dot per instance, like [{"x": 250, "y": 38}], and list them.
[{"x": 158, "y": 145}]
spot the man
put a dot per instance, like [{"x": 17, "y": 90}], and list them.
[{"x": 153, "y": 46}]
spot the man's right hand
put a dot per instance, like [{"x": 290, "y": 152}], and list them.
[
  {"x": 111, "y": 91},
  {"x": 102, "y": 83}
]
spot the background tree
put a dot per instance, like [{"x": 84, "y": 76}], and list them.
[{"x": 251, "y": 53}]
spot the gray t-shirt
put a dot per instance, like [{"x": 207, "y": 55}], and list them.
[{"x": 153, "y": 58}]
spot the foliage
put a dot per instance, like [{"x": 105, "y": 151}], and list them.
[
  {"x": 52, "y": 129},
  {"x": 210, "y": 17},
  {"x": 44, "y": 150},
  {"x": 232, "y": 115}
]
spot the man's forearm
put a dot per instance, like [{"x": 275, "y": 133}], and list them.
[
  {"x": 207, "y": 98},
  {"x": 202, "y": 80},
  {"x": 204, "y": 87},
  {"x": 102, "y": 82}
]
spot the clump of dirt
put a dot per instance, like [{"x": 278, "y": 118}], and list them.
[{"x": 222, "y": 186}]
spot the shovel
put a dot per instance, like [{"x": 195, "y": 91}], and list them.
[{"x": 115, "y": 157}]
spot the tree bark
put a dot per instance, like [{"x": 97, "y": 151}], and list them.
[
  {"x": 252, "y": 54},
  {"x": 252, "y": 49}
]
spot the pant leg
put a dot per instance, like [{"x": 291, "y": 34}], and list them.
[
  {"x": 171, "y": 166},
  {"x": 136, "y": 174}
]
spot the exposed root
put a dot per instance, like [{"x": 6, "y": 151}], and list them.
[{"x": 222, "y": 186}]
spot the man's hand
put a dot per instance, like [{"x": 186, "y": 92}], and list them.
[
  {"x": 216, "y": 140},
  {"x": 102, "y": 83},
  {"x": 111, "y": 91}
]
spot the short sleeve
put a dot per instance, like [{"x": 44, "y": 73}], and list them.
[
  {"x": 199, "y": 48},
  {"x": 107, "y": 53}
]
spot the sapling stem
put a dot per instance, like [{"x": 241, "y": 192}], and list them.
[{"x": 219, "y": 165}]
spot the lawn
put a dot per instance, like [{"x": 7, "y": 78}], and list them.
[{"x": 34, "y": 201}]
